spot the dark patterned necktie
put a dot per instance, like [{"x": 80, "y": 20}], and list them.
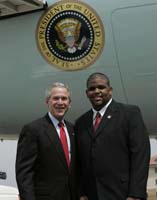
[
  {"x": 97, "y": 121},
  {"x": 64, "y": 142}
]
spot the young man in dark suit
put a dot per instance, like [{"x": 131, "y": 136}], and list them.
[
  {"x": 113, "y": 146},
  {"x": 45, "y": 167}
]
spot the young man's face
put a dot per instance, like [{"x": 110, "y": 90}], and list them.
[
  {"x": 59, "y": 102},
  {"x": 98, "y": 92}
]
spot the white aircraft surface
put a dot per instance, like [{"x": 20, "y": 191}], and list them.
[{"x": 8, "y": 193}]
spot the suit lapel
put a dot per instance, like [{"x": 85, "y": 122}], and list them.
[
  {"x": 89, "y": 123},
  {"x": 53, "y": 136},
  {"x": 72, "y": 141},
  {"x": 107, "y": 118}
]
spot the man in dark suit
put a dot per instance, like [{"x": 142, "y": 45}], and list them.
[
  {"x": 113, "y": 148},
  {"x": 45, "y": 168}
]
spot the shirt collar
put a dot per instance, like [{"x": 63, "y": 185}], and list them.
[
  {"x": 54, "y": 120},
  {"x": 102, "y": 111}
]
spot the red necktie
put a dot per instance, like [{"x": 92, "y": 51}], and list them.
[
  {"x": 97, "y": 121},
  {"x": 64, "y": 142}
]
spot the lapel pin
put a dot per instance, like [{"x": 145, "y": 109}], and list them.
[{"x": 109, "y": 116}]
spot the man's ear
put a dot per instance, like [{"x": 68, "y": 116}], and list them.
[
  {"x": 87, "y": 92},
  {"x": 110, "y": 90},
  {"x": 46, "y": 100},
  {"x": 70, "y": 102}
]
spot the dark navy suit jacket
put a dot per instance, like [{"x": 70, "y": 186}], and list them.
[
  {"x": 114, "y": 161},
  {"x": 41, "y": 168}
]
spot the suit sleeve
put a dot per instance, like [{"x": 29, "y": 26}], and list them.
[
  {"x": 81, "y": 178},
  {"x": 139, "y": 147},
  {"x": 25, "y": 160}
]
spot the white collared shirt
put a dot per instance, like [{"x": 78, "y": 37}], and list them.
[
  {"x": 55, "y": 123},
  {"x": 102, "y": 111}
]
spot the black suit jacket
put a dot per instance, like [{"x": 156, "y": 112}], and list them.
[
  {"x": 41, "y": 169},
  {"x": 115, "y": 159}
]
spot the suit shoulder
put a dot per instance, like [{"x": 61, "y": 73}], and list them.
[
  {"x": 129, "y": 110},
  {"x": 127, "y": 107},
  {"x": 83, "y": 116},
  {"x": 132, "y": 108},
  {"x": 32, "y": 127},
  {"x": 35, "y": 123}
]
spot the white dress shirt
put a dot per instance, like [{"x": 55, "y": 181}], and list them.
[{"x": 55, "y": 123}]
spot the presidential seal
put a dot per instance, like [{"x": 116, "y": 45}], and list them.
[{"x": 70, "y": 35}]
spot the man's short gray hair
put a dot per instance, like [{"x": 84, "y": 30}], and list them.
[{"x": 48, "y": 91}]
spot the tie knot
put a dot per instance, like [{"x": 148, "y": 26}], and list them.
[
  {"x": 98, "y": 115},
  {"x": 60, "y": 124}
]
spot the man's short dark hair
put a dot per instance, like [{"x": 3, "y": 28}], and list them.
[{"x": 98, "y": 75}]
